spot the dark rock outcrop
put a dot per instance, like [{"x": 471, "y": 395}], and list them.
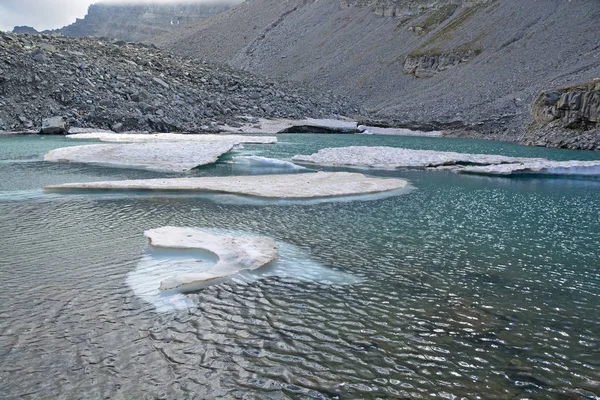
[
  {"x": 119, "y": 86},
  {"x": 428, "y": 65},
  {"x": 25, "y": 29},
  {"x": 567, "y": 117},
  {"x": 577, "y": 107},
  {"x": 137, "y": 22}
]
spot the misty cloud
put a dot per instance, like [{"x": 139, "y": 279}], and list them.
[{"x": 52, "y": 14}]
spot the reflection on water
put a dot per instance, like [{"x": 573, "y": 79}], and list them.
[{"x": 469, "y": 286}]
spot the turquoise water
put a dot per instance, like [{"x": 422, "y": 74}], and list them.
[{"x": 466, "y": 286}]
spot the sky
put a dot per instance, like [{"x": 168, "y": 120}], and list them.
[{"x": 52, "y": 14}]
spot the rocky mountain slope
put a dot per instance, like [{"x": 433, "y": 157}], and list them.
[
  {"x": 475, "y": 64},
  {"x": 137, "y": 22},
  {"x": 114, "y": 85}
]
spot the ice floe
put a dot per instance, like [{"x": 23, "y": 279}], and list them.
[
  {"x": 392, "y": 157},
  {"x": 284, "y": 186},
  {"x": 167, "y": 156},
  {"x": 544, "y": 167},
  {"x": 173, "y": 137},
  {"x": 234, "y": 254},
  {"x": 485, "y": 164},
  {"x": 158, "y": 264},
  {"x": 307, "y": 125},
  {"x": 265, "y": 163},
  {"x": 375, "y": 130}
]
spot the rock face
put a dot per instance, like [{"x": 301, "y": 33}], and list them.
[
  {"x": 25, "y": 29},
  {"x": 485, "y": 61},
  {"x": 116, "y": 86},
  {"x": 398, "y": 8},
  {"x": 568, "y": 117},
  {"x": 136, "y": 22},
  {"x": 576, "y": 107},
  {"x": 427, "y": 65}
]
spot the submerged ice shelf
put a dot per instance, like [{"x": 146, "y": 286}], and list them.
[
  {"x": 159, "y": 264},
  {"x": 260, "y": 163},
  {"x": 234, "y": 254},
  {"x": 487, "y": 164},
  {"x": 285, "y": 186}
]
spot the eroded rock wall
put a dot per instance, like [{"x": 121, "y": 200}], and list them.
[
  {"x": 567, "y": 117},
  {"x": 140, "y": 22},
  {"x": 398, "y": 8}
]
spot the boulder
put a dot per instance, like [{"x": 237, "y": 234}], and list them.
[{"x": 54, "y": 126}]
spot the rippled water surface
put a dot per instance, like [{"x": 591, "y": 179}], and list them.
[{"x": 465, "y": 286}]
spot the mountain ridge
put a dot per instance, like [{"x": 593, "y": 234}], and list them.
[{"x": 478, "y": 64}]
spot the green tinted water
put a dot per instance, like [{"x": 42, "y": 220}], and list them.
[{"x": 469, "y": 286}]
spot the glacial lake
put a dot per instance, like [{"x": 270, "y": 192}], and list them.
[{"x": 461, "y": 287}]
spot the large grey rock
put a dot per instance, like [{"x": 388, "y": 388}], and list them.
[{"x": 54, "y": 126}]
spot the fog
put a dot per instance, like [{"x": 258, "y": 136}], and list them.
[{"x": 52, "y": 14}]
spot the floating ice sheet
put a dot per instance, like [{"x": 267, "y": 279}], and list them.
[
  {"x": 285, "y": 186},
  {"x": 158, "y": 264},
  {"x": 234, "y": 254},
  {"x": 392, "y": 157},
  {"x": 166, "y": 156},
  {"x": 543, "y": 167},
  {"x": 375, "y": 130}
]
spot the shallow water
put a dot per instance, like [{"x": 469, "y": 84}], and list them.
[{"x": 467, "y": 286}]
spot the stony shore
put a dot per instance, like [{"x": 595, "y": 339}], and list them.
[{"x": 118, "y": 86}]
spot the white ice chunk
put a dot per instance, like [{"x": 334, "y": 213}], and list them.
[
  {"x": 284, "y": 186},
  {"x": 172, "y": 137},
  {"x": 167, "y": 156},
  {"x": 265, "y": 162},
  {"x": 583, "y": 168},
  {"x": 375, "y": 130},
  {"x": 234, "y": 254},
  {"x": 391, "y": 157},
  {"x": 279, "y": 125},
  {"x": 158, "y": 264}
]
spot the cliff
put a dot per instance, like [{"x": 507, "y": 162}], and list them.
[
  {"x": 475, "y": 64},
  {"x": 137, "y": 22},
  {"x": 567, "y": 117}
]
